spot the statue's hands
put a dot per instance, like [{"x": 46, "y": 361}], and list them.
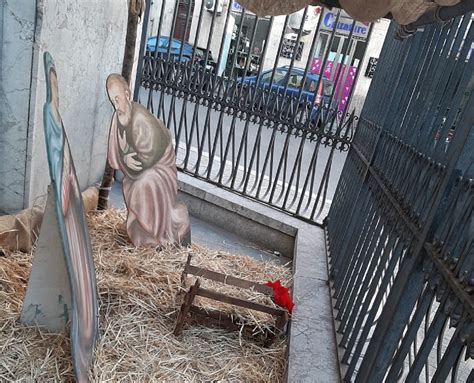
[{"x": 132, "y": 163}]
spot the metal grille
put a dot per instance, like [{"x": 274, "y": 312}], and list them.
[
  {"x": 400, "y": 229},
  {"x": 245, "y": 103}
]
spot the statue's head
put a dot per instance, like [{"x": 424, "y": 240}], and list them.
[
  {"x": 119, "y": 95},
  {"x": 52, "y": 92}
]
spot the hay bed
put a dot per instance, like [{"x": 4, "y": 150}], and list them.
[{"x": 140, "y": 294}]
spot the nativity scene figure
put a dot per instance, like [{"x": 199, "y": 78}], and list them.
[
  {"x": 141, "y": 147},
  {"x": 62, "y": 287}
]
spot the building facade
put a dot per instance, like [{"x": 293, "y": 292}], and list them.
[
  {"x": 238, "y": 39},
  {"x": 86, "y": 40}
]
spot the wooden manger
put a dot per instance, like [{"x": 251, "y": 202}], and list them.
[{"x": 222, "y": 319}]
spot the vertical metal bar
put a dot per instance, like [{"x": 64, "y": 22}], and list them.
[
  {"x": 323, "y": 187},
  {"x": 354, "y": 358},
  {"x": 296, "y": 169},
  {"x": 401, "y": 300},
  {"x": 255, "y": 152},
  {"x": 237, "y": 42},
  {"x": 370, "y": 161},
  {"x": 200, "y": 80},
  {"x": 309, "y": 61},
  {"x": 218, "y": 134},
  {"x": 382, "y": 239},
  {"x": 280, "y": 45},
  {"x": 438, "y": 323},
  {"x": 363, "y": 238},
  {"x": 243, "y": 141},
  {"x": 142, "y": 50},
  {"x": 411, "y": 334},
  {"x": 356, "y": 75},
  {"x": 323, "y": 66},
  {"x": 181, "y": 48},
  {"x": 344, "y": 54},
  {"x": 309, "y": 180},
  {"x": 293, "y": 56},
  {"x": 226, "y": 24}
]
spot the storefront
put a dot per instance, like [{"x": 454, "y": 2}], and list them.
[
  {"x": 268, "y": 32},
  {"x": 249, "y": 34},
  {"x": 242, "y": 44},
  {"x": 343, "y": 52}
]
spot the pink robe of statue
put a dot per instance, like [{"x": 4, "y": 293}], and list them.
[{"x": 154, "y": 216}]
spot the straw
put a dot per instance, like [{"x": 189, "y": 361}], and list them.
[{"x": 140, "y": 293}]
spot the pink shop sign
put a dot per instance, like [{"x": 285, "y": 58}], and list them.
[{"x": 343, "y": 88}]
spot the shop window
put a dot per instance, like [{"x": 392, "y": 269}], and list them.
[
  {"x": 183, "y": 22},
  {"x": 321, "y": 45},
  {"x": 340, "y": 48},
  {"x": 289, "y": 49},
  {"x": 247, "y": 53}
]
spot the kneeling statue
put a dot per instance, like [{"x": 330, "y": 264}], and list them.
[{"x": 141, "y": 147}]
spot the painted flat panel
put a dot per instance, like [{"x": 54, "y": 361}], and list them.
[
  {"x": 71, "y": 224},
  {"x": 47, "y": 301}
]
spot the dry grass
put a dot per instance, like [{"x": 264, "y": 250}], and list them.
[{"x": 140, "y": 294}]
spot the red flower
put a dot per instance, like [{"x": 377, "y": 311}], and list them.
[{"x": 281, "y": 295}]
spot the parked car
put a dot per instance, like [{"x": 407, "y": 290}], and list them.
[
  {"x": 176, "y": 68},
  {"x": 210, "y": 63},
  {"x": 164, "y": 45},
  {"x": 179, "y": 51},
  {"x": 285, "y": 88}
]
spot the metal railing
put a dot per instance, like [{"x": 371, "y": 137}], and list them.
[
  {"x": 400, "y": 230},
  {"x": 237, "y": 119}
]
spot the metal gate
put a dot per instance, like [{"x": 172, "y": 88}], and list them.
[
  {"x": 400, "y": 230},
  {"x": 255, "y": 105}
]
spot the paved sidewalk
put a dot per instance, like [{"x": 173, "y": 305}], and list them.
[{"x": 190, "y": 158}]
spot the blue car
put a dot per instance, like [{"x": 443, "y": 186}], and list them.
[
  {"x": 175, "y": 49},
  {"x": 175, "y": 67},
  {"x": 286, "y": 87}
]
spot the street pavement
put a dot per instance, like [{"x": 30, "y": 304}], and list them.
[{"x": 200, "y": 129}]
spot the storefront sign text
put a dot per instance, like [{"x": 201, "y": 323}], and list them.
[{"x": 344, "y": 25}]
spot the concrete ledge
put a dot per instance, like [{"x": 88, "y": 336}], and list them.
[
  {"x": 238, "y": 215},
  {"x": 312, "y": 355},
  {"x": 313, "y": 349}
]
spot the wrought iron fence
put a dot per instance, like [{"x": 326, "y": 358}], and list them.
[
  {"x": 252, "y": 107},
  {"x": 400, "y": 230}
]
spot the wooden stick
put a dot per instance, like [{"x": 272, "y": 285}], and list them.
[
  {"x": 227, "y": 279},
  {"x": 240, "y": 302},
  {"x": 184, "y": 273},
  {"x": 281, "y": 321},
  {"x": 188, "y": 301}
]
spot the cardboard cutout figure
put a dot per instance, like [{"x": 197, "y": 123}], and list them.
[
  {"x": 141, "y": 147},
  {"x": 64, "y": 246}
]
